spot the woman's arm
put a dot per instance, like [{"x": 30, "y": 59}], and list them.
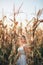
[{"x": 16, "y": 57}]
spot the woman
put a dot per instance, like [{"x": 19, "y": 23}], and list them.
[{"x": 21, "y": 53}]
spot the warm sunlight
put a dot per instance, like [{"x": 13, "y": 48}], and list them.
[{"x": 21, "y": 32}]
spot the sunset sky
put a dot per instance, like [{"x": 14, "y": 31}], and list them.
[{"x": 29, "y": 7}]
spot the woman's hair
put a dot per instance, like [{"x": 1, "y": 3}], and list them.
[{"x": 24, "y": 37}]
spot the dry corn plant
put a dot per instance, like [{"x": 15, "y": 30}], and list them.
[
  {"x": 37, "y": 21},
  {"x": 16, "y": 13}
]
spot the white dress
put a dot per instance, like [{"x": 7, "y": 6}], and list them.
[{"x": 22, "y": 59}]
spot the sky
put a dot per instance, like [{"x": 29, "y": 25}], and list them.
[{"x": 28, "y": 7}]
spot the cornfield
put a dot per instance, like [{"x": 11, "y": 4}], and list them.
[{"x": 34, "y": 38}]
